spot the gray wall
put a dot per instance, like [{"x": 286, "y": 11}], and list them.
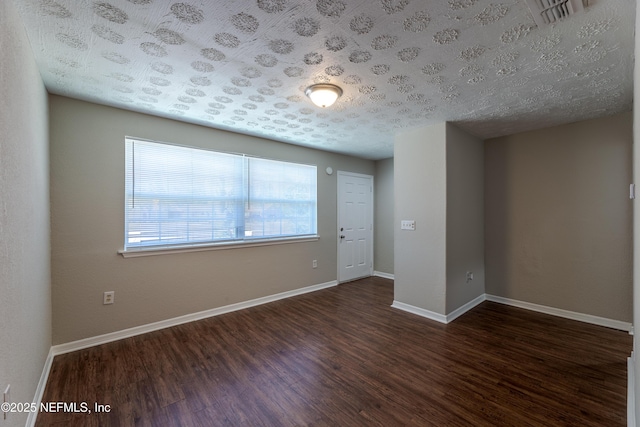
[
  {"x": 558, "y": 217},
  {"x": 465, "y": 217},
  {"x": 421, "y": 195},
  {"x": 383, "y": 217},
  {"x": 87, "y": 174},
  {"x": 25, "y": 298},
  {"x": 439, "y": 184}
]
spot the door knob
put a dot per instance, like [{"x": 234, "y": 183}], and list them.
[{"x": 342, "y": 237}]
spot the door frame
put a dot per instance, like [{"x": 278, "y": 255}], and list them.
[{"x": 341, "y": 174}]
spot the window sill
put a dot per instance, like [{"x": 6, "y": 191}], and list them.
[{"x": 151, "y": 251}]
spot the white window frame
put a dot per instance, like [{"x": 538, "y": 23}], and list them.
[{"x": 237, "y": 242}]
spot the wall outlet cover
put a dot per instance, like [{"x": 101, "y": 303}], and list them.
[{"x": 407, "y": 224}]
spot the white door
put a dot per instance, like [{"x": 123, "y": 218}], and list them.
[{"x": 355, "y": 226}]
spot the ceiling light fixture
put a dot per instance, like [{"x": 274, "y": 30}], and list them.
[{"x": 323, "y": 95}]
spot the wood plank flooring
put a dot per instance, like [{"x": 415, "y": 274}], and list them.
[{"x": 343, "y": 357}]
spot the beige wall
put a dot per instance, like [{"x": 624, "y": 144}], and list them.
[
  {"x": 421, "y": 195},
  {"x": 25, "y": 298},
  {"x": 87, "y": 172},
  {"x": 465, "y": 217},
  {"x": 383, "y": 217},
  {"x": 558, "y": 217}
]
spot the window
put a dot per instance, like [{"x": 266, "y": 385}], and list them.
[{"x": 180, "y": 196}]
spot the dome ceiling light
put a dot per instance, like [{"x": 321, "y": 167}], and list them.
[{"x": 323, "y": 95}]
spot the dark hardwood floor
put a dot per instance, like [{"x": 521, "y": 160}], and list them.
[{"x": 343, "y": 357}]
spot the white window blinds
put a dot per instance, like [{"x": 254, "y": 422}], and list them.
[{"x": 182, "y": 196}]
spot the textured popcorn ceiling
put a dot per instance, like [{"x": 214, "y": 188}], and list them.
[{"x": 243, "y": 65}]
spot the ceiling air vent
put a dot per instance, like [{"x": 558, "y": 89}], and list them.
[{"x": 546, "y": 12}]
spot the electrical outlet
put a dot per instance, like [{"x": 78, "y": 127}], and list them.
[
  {"x": 6, "y": 398},
  {"x": 108, "y": 297},
  {"x": 469, "y": 276},
  {"x": 315, "y": 263}
]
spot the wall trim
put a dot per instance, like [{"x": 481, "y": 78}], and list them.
[
  {"x": 587, "y": 318},
  {"x": 143, "y": 329},
  {"x": 432, "y": 315},
  {"x": 437, "y": 316},
  {"x": 37, "y": 398},
  {"x": 384, "y": 275},
  {"x": 463, "y": 309}
]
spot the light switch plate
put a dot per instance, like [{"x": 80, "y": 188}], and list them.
[{"x": 406, "y": 224}]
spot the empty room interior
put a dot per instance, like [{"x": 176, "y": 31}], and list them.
[{"x": 331, "y": 212}]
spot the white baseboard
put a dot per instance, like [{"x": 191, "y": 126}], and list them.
[
  {"x": 143, "y": 329},
  {"x": 631, "y": 391},
  {"x": 42, "y": 384},
  {"x": 384, "y": 275},
  {"x": 432, "y": 315},
  {"x": 468, "y": 306},
  {"x": 587, "y": 318},
  {"x": 437, "y": 316}
]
